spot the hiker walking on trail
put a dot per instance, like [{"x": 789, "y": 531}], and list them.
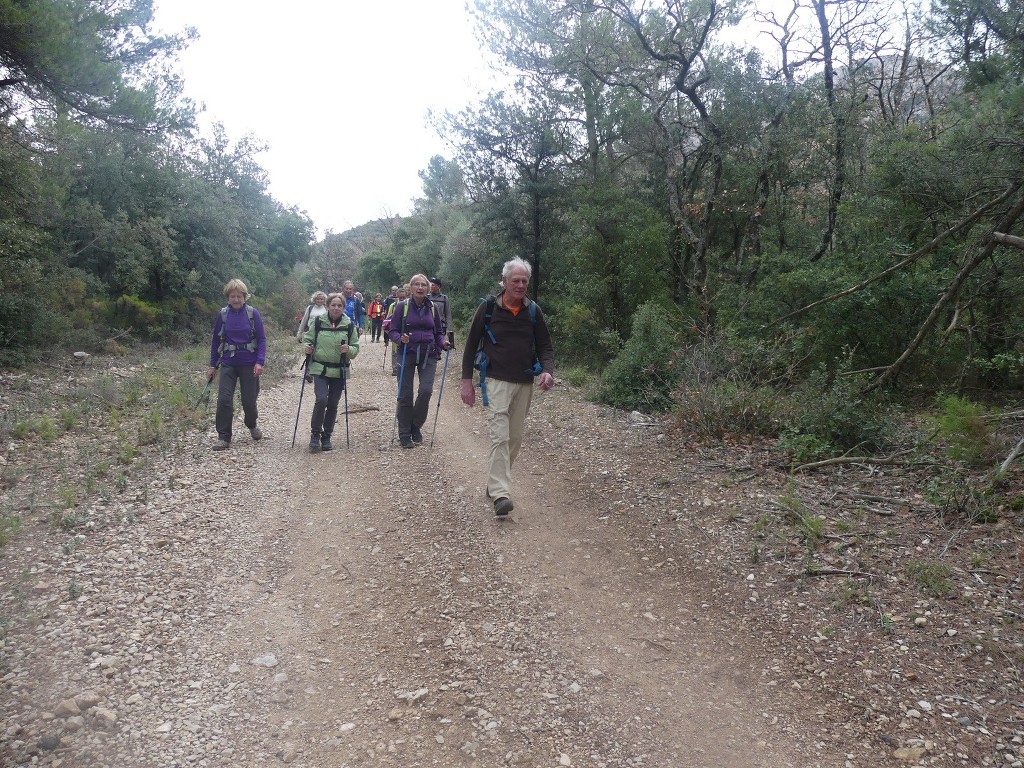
[
  {"x": 317, "y": 306},
  {"x": 416, "y": 328},
  {"x": 331, "y": 342},
  {"x": 353, "y": 305},
  {"x": 444, "y": 307},
  {"x": 376, "y": 314},
  {"x": 239, "y": 350},
  {"x": 510, "y": 331},
  {"x": 390, "y": 299},
  {"x": 401, "y": 294}
]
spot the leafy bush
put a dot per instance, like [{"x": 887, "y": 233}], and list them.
[
  {"x": 137, "y": 314},
  {"x": 969, "y": 438},
  {"x": 577, "y": 328},
  {"x": 644, "y": 374},
  {"x": 931, "y": 576},
  {"x": 725, "y": 386},
  {"x": 829, "y": 415}
]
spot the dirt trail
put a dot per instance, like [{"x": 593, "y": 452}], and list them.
[
  {"x": 415, "y": 629},
  {"x": 364, "y": 608}
]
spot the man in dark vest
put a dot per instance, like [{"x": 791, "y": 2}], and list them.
[{"x": 444, "y": 307}]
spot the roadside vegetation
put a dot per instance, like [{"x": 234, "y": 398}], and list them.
[
  {"x": 815, "y": 241},
  {"x": 77, "y": 437}
]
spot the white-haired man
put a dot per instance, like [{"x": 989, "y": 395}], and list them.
[{"x": 509, "y": 343}]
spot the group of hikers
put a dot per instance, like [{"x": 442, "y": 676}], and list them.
[{"x": 508, "y": 343}]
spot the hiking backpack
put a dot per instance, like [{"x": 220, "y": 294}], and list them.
[
  {"x": 480, "y": 361},
  {"x": 316, "y": 332},
  {"x": 224, "y": 346}
]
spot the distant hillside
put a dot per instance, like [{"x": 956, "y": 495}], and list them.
[{"x": 336, "y": 257}]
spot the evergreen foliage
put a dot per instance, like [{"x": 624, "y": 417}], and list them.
[
  {"x": 643, "y": 375},
  {"x": 711, "y": 227},
  {"x": 114, "y": 215}
]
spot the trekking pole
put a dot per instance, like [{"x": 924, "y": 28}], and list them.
[
  {"x": 344, "y": 385},
  {"x": 384, "y": 360},
  {"x": 204, "y": 398},
  {"x": 305, "y": 370},
  {"x": 437, "y": 408},
  {"x": 401, "y": 375}
]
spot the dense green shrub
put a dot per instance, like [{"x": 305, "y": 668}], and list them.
[
  {"x": 730, "y": 384},
  {"x": 828, "y": 415},
  {"x": 644, "y": 373},
  {"x": 968, "y": 437}
]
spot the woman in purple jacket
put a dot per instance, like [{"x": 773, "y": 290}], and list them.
[
  {"x": 416, "y": 329},
  {"x": 239, "y": 349}
]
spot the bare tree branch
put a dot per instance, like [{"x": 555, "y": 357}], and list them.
[
  {"x": 1016, "y": 242},
  {"x": 951, "y": 293},
  {"x": 1017, "y": 451},
  {"x": 910, "y": 259}
]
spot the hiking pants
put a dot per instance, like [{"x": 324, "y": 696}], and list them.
[
  {"x": 424, "y": 365},
  {"x": 325, "y": 411},
  {"x": 376, "y": 329},
  {"x": 250, "y": 385},
  {"x": 508, "y": 404}
]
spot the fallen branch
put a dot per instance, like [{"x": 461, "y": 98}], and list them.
[
  {"x": 885, "y": 460},
  {"x": 838, "y": 572},
  {"x": 871, "y": 497},
  {"x": 361, "y": 409},
  {"x": 1008, "y": 416},
  {"x": 879, "y": 512},
  {"x": 1017, "y": 451}
]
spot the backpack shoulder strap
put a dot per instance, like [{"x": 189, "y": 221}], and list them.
[{"x": 489, "y": 304}]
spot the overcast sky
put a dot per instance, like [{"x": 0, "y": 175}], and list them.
[{"x": 339, "y": 90}]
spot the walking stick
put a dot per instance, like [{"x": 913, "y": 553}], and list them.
[
  {"x": 344, "y": 385},
  {"x": 437, "y": 408},
  {"x": 384, "y": 360},
  {"x": 204, "y": 398},
  {"x": 401, "y": 375},
  {"x": 305, "y": 370}
]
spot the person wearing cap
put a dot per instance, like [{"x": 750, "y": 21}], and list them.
[{"x": 444, "y": 307}]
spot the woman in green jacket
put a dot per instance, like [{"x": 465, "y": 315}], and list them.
[{"x": 331, "y": 342}]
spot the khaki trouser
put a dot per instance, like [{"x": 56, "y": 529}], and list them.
[{"x": 507, "y": 407}]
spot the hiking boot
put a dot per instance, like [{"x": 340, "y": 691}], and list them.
[
  {"x": 406, "y": 441},
  {"x": 222, "y": 445},
  {"x": 502, "y": 507},
  {"x": 325, "y": 443},
  {"x": 257, "y": 433},
  {"x": 314, "y": 444},
  {"x": 417, "y": 436}
]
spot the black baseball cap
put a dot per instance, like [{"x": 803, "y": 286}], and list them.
[{"x": 436, "y": 280}]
